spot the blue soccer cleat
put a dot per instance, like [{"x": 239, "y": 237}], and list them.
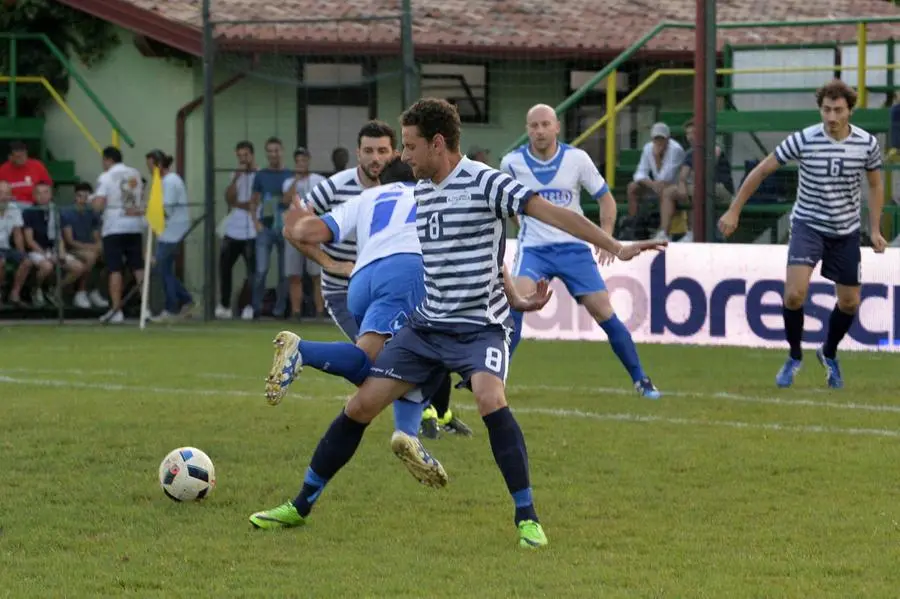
[
  {"x": 647, "y": 389},
  {"x": 785, "y": 376},
  {"x": 832, "y": 370}
]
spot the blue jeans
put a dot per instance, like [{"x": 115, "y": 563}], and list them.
[
  {"x": 176, "y": 295},
  {"x": 265, "y": 241}
]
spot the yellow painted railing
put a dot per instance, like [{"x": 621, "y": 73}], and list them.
[
  {"x": 609, "y": 118},
  {"x": 61, "y": 103}
]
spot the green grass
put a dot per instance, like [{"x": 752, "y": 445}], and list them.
[{"x": 727, "y": 487}]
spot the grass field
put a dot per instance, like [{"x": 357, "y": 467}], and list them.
[{"x": 727, "y": 487}]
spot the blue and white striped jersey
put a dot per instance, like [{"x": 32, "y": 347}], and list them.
[
  {"x": 462, "y": 229},
  {"x": 831, "y": 176},
  {"x": 334, "y": 191}
]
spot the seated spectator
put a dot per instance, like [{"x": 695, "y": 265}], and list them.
[
  {"x": 23, "y": 173},
  {"x": 12, "y": 244},
  {"x": 44, "y": 249},
  {"x": 81, "y": 234},
  {"x": 681, "y": 194},
  {"x": 658, "y": 168}
]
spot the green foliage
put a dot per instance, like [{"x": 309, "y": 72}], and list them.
[{"x": 75, "y": 33}]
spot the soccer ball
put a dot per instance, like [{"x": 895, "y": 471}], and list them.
[{"x": 187, "y": 474}]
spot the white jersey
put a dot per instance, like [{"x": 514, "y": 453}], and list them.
[
  {"x": 462, "y": 228},
  {"x": 324, "y": 197},
  {"x": 829, "y": 193},
  {"x": 382, "y": 220},
  {"x": 559, "y": 181},
  {"x": 122, "y": 187}
]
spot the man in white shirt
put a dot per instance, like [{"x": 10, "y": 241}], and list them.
[
  {"x": 295, "y": 263},
  {"x": 118, "y": 197},
  {"x": 12, "y": 243},
  {"x": 239, "y": 239},
  {"x": 661, "y": 158}
]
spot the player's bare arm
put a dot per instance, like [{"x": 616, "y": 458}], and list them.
[
  {"x": 577, "y": 225},
  {"x": 729, "y": 222},
  {"x": 532, "y": 302},
  {"x": 876, "y": 205},
  {"x": 305, "y": 232}
]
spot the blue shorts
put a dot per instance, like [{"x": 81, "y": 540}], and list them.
[
  {"x": 424, "y": 358},
  {"x": 384, "y": 293},
  {"x": 12, "y": 255},
  {"x": 573, "y": 263},
  {"x": 840, "y": 255},
  {"x": 336, "y": 305}
]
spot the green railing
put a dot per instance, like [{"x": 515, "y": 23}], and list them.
[
  {"x": 14, "y": 38},
  {"x": 666, "y": 25}
]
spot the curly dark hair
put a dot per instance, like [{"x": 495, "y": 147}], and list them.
[
  {"x": 835, "y": 90},
  {"x": 376, "y": 129},
  {"x": 434, "y": 116}
]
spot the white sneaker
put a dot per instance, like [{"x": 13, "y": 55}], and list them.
[
  {"x": 247, "y": 312},
  {"x": 223, "y": 313},
  {"x": 113, "y": 317},
  {"x": 688, "y": 237},
  {"x": 98, "y": 300},
  {"x": 38, "y": 298},
  {"x": 81, "y": 301},
  {"x": 661, "y": 236},
  {"x": 164, "y": 316}
]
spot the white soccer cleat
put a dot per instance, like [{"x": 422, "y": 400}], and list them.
[
  {"x": 286, "y": 365},
  {"x": 421, "y": 464}
]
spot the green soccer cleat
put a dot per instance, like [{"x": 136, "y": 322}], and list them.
[
  {"x": 429, "y": 427},
  {"x": 453, "y": 425},
  {"x": 283, "y": 516},
  {"x": 531, "y": 535}
]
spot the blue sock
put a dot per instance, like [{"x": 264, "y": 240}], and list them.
[
  {"x": 340, "y": 358},
  {"x": 407, "y": 416},
  {"x": 508, "y": 445},
  {"x": 517, "y": 332},
  {"x": 333, "y": 452},
  {"x": 623, "y": 345}
]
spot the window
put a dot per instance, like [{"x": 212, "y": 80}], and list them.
[{"x": 464, "y": 85}]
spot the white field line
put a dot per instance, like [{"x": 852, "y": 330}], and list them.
[
  {"x": 558, "y": 413},
  {"x": 523, "y": 389}
]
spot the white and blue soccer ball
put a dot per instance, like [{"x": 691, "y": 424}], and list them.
[{"x": 187, "y": 474}]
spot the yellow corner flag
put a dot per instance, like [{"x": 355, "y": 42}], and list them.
[{"x": 156, "y": 215}]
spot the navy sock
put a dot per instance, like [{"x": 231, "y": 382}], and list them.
[
  {"x": 441, "y": 398},
  {"x": 838, "y": 325},
  {"x": 407, "y": 416},
  {"x": 333, "y": 452},
  {"x": 623, "y": 345},
  {"x": 339, "y": 358},
  {"x": 793, "y": 331},
  {"x": 508, "y": 445},
  {"x": 517, "y": 331}
]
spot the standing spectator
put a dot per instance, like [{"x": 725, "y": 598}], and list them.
[
  {"x": 12, "y": 244},
  {"x": 23, "y": 173},
  {"x": 44, "y": 249},
  {"x": 658, "y": 168},
  {"x": 295, "y": 263},
  {"x": 81, "y": 234},
  {"x": 479, "y": 154},
  {"x": 267, "y": 209},
  {"x": 118, "y": 197},
  {"x": 178, "y": 221},
  {"x": 240, "y": 231},
  {"x": 340, "y": 158}
]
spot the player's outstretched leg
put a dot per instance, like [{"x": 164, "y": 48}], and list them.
[
  {"x": 292, "y": 354},
  {"x": 510, "y": 453}
]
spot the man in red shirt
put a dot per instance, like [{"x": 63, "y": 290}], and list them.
[{"x": 23, "y": 173}]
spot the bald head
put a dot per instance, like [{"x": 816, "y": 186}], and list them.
[{"x": 543, "y": 129}]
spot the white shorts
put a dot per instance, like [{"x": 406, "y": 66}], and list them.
[
  {"x": 296, "y": 263},
  {"x": 39, "y": 258}
]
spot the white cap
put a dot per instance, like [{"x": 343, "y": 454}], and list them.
[{"x": 659, "y": 130}]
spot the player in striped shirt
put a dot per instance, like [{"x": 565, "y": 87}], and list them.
[
  {"x": 461, "y": 326},
  {"x": 834, "y": 157}
]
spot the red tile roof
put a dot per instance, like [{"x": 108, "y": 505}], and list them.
[{"x": 511, "y": 28}]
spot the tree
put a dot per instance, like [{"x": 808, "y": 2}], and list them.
[{"x": 74, "y": 32}]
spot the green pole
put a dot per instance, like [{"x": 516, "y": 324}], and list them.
[
  {"x": 408, "y": 55},
  {"x": 12, "y": 102}
]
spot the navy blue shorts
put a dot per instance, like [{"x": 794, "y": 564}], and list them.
[
  {"x": 12, "y": 255},
  {"x": 123, "y": 249},
  {"x": 336, "y": 304},
  {"x": 840, "y": 255},
  {"x": 425, "y": 358}
]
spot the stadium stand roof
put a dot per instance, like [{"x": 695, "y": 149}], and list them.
[{"x": 526, "y": 29}]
